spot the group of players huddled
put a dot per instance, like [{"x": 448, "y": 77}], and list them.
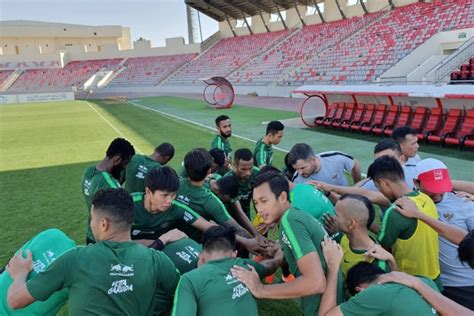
[{"x": 399, "y": 242}]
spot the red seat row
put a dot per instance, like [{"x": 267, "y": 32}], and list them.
[{"x": 457, "y": 128}]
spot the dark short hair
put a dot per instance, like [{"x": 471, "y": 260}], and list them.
[
  {"x": 386, "y": 167},
  {"x": 274, "y": 127},
  {"x": 228, "y": 185},
  {"x": 221, "y": 118},
  {"x": 165, "y": 150},
  {"x": 120, "y": 147},
  {"x": 268, "y": 168},
  {"x": 401, "y": 132},
  {"x": 116, "y": 205},
  {"x": 243, "y": 154},
  {"x": 162, "y": 179},
  {"x": 367, "y": 203},
  {"x": 388, "y": 143},
  {"x": 218, "y": 238},
  {"x": 277, "y": 182},
  {"x": 197, "y": 163},
  {"x": 218, "y": 155},
  {"x": 288, "y": 165},
  {"x": 466, "y": 249},
  {"x": 362, "y": 272},
  {"x": 300, "y": 151}
]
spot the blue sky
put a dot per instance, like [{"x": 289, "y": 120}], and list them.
[{"x": 154, "y": 20}]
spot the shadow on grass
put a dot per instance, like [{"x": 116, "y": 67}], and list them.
[{"x": 449, "y": 151}]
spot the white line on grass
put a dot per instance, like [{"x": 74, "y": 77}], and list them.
[
  {"x": 197, "y": 123},
  {"x": 112, "y": 125}
]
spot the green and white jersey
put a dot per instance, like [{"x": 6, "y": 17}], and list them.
[
  {"x": 301, "y": 234},
  {"x": 310, "y": 200},
  {"x": 136, "y": 172},
  {"x": 202, "y": 201},
  {"x": 391, "y": 299},
  {"x": 151, "y": 226},
  {"x": 109, "y": 278},
  {"x": 184, "y": 253},
  {"x": 245, "y": 189},
  {"x": 263, "y": 154},
  {"x": 222, "y": 143},
  {"x": 212, "y": 290},
  {"x": 45, "y": 247},
  {"x": 87, "y": 176}
]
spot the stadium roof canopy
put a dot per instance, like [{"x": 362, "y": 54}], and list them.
[{"x": 238, "y": 9}]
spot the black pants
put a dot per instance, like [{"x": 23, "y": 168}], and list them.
[{"x": 463, "y": 295}]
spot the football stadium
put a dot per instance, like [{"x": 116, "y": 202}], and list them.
[{"x": 306, "y": 157}]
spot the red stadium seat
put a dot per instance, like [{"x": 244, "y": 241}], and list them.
[
  {"x": 403, "y": 120},
  {"x": 356, "y": 118},
  {"x": 433, "y": 123},
  {"x": 367, "y": 118},
  {"x": 450, "y": 126},
  {"x": 346, "y": 117},
  {"x": 465, "y": 132},
  {"x": 379, "y": 117},
  {"x": 419, "y": 118},
  {"x": 328, "y": 116},
  {"x": 337, "y": 116},
  {"x": 390, "y": 120}
]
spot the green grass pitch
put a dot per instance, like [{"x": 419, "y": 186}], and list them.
[{"x": 45, "y": 147}]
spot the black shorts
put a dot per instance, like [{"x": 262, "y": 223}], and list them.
[{"x": 463, "y": 295}]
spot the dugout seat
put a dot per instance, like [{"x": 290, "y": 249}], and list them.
[
  {"x": 466, "y": 131},
  {"x": 403, "y": 120},
  {"x": 358, "y": 114},
  {"x": 346, "y": 117},
  {"x": 433, "y": 123},
  {"x": 390, "y": 120},
  {"x": 319, "y": 121},
  {"x": 366, "y": 119},
  {"x": 419, "y": 118},
  {"x": 379, "y": 117},
  {"x": 451, "y": 125},
  {"x": 337, "y": 116}
]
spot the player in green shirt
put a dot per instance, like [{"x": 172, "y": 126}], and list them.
[
  {"x": 106, "y": 174},
  {"x": 370, "y": 297},
  {"x": 217, "y": 167},
  {"x": 114, "y": 276},
  {"x": 221, "y": 140},
  {"x": 157, "y": 211},
  {"x": 140, "y": 165},
  {"x": 263, "y": 153},
  {"x": 194, "y": 194},
  {"x": 212, "y": 289},
  {"x": 300, "y": 238},
  {"x": 184, "y": 253},
  {"x": 45, "y": 247}
]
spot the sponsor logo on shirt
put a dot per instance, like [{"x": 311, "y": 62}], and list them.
[
  {"x": 184, "y": 256},
  {"x": 87, "y": 185},
  {"x": 48, "y": 256},
  {"x": 448, "y": 216},
  {"x": 120, "y": 286},
  {"x": 187, "y": 216},
  {"x": 239, "y": 291},
  {"x": 142, "y": 171},
  {"x": 121, "y": 270},
  {"x": 192, "y": 250},
  {"x": 38, "y": 266},
  {"x": 183, "y": 199},
  {"x": 334, "y": 177},
  {"x": 285, "y": 240},
  {"x": 229, "y": 279}
]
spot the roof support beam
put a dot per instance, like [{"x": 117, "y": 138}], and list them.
[
  {"x": 248, "y": 25},
  {"x": 230, "y": 25},
  {"x": 362, "y": 4},
  {"x": 319, "y": 11},
  {"x": 392, "y": 6},
  {"x": 263, "y": 21},
  {"x": 298, "y": 12},
  {"x": 340, "y": 9},
  {"x": 279, "y": 14}
]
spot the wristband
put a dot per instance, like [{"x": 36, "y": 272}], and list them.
[{"x": 157, "y": 245}]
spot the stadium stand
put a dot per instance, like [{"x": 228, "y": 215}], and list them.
[
  {"x": 149, "y": 71},
  {"x": 298, "y": 48},
  {"x": 466, "y": 131},
  {"x": 369, "y": 53},
  {"x": 226, "y": 56},
  {"x": 4, "y": 74},
  {"x": 466, "y": 72},
  {"x": 74, "y": 73}
]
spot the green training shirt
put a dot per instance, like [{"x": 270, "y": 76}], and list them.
[
  {"x": 100, "y": 180},
  {"x": 212, "y": 290},
  {"x": 245, "y": 189},
  {"x": 310, "y": 200},
  {"x": 184, "y": 253},
  {"x": 87, "y": 176},
  {"x": 151, "y": 226},
  {"x": 301, "y": 234},
  {"x": 202, "y": 201},
  {"x": 136, "y": 172},
  {"x": 222, "y": 143},
  {"x": 109, "y": 278},
  {"x": 45, "y": 247},
  {"x": 389, "y": 299},
  {"x": 263, "y": 154}
]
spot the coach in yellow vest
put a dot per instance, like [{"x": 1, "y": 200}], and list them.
[{"x": 413, "y": 243}]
